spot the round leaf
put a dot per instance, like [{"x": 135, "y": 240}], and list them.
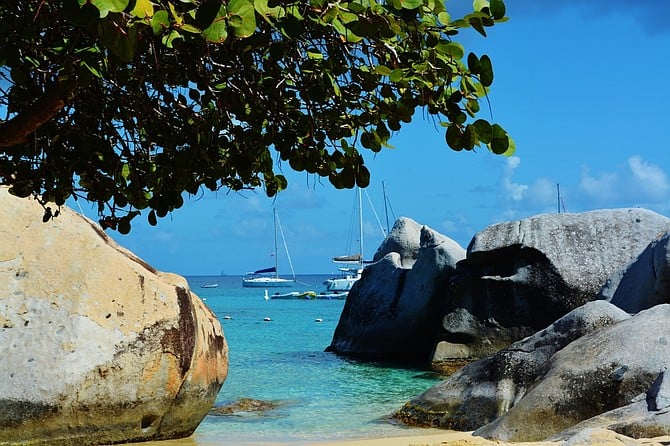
[
  {"x": 217, "y": 32},
  {"x": 243, "y": 17},
  {"x": 499, "y": 140},
  {"x": 411, "y": 4},
  {"x": 486, "y": 73}
]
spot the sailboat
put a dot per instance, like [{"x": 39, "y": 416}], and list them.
[
  {"x": 269, "y": 277},
  {"x": 349, "y": 274}
]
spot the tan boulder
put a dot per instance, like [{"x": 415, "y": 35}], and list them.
[{"x": 96, "y": 346}]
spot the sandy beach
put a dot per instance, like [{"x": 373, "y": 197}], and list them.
[{"x": 430, "y": 437}]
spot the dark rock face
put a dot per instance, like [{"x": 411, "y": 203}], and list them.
[
  {"x": 391, "y": 313},
  {"x": 521, "y": 276},
  {"x": 485, "y": 390},
  {"x": 645, "y": 282}
]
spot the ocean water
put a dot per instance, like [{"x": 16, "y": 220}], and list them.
[{"x": 320, "y": 395}]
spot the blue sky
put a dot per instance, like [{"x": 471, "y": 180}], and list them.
[{"x": 582, "y": 86}]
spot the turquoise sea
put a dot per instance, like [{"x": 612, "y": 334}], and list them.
[{"x": 321, "y": 396}]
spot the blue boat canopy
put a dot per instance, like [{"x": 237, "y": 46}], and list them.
[{"x": 266, "y": 270}]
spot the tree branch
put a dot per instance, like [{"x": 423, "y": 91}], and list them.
[{"x": 21, "y": 126}]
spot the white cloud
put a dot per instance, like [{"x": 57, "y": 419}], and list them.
[
  {"x": 634, "y": 183},
  {"x": 513, "y": 191},
  {"x": 600, "y": 188},
  {"x": 649, "y": 177}
]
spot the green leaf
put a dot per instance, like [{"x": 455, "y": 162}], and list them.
[
  {"x": 497, "y": 9},
  {"x": 499, "y": 140},
  {"x": 511, "y": 149},
  {"x": 397, "y": 75},
  {"x": 265, "y": 11},
  {"x": 452, "y": 49},
  {"x": 160, "y": 22},
  {"x": 484, "y": 131},
  {"x": 444, "y": 17},
  {"x": 217, "y": 32},
  {"x": 411, "y": 4},
  {"x": 242, "y": 17},
  {"x": 125, "y": 171},
  {"x": 363, "y": 177},
  {"x": 143, "y": 9},
  {"x": 107, "y": 6},
  {"x": 382, "y": 70},
  {"x": 152, "y": 218},
  {"x": 472, "y": 107},
  {"x": 454, "y": 137},
  {"x": 486, "y": 74},
  {"x": 314, "y": 54},
  {"x": 171, "y": 37},
  {"x": 477, "y": 24},
  {"x": 93, "y": 70},
  {"x": 124, "y": 225},
  {"x": 474, "y": 65},
  {"x": 469, "y": 137},
  {"x": 478, "y": 5},
  {"x": 189, "y": 28}
]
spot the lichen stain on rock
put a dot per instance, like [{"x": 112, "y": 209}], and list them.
[{"x": 186, "y": 334}]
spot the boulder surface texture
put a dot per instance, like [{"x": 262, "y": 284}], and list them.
[
  {"x": 97, "y": 347},
  {"x": 485, "y": 390},
  {"x": 645, "y": 282},
  {"x": 613, "y": 375},
  {"x": 520, "y": 276},
  {"x": 392, "y": 312}
]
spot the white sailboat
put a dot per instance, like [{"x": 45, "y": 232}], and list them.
[
  {"x": 340, "y": 286},
  {"x": 351, "y": 273},
  {"x": 269, "y": 277}
]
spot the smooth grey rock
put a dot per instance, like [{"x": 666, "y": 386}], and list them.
[
  {"x": 487, "y": 389},
  {"x": 520, "y": 276},
  {"x": 658, "y": 395},
  {"x": 392, "y": 312},
  {"x": 645, "y": 282},
  {"x": 404, "y": 239},
  {"x": 599, "y": 372}
]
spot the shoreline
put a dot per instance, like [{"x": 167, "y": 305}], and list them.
[{"x": 414, "y": 437}]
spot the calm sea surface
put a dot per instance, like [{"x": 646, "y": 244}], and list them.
[{"x": 321, "y": 396}]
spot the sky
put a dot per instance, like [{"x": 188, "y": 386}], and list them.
[{"x": 582, "y": 87}]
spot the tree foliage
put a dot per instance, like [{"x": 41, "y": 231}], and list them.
[{"x": 133, "y": 104}]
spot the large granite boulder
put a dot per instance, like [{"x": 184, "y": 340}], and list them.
[
  {"x": 520, "y": 276},
  {"x": 598, "y": 373},
  {"x": 643, "y": 283},
  {"x": 484, "y": 390},
  {"x": 97, "y": 347},
  {"x": 545, "y": 387},
  {"x": 392, "y": 311}
]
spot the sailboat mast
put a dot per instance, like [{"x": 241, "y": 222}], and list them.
[
  {"x": 386, "y": 211},
  {"x": 360, "y": 223},
  {"x": 274, "y": 221}
]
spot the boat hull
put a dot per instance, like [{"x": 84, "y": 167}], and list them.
[
  {"x": 306, "y": 295},
  {"x": 342, "y": 295},
  {"x": 267, "y": 282}
]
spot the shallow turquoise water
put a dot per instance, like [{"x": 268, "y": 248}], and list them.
[{"x": 321, "y": 396}]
